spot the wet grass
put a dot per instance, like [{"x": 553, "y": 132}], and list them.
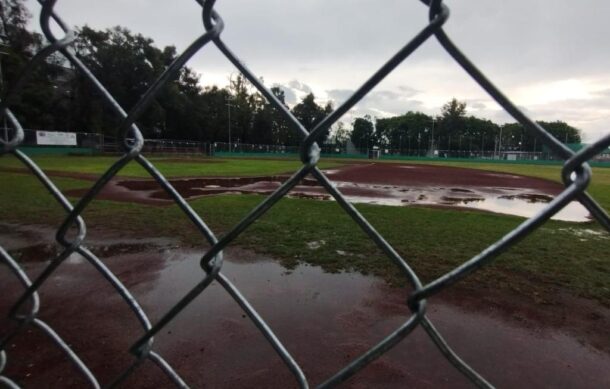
[
  {"x": 559, "y": 256},
  {"x": 170, "y": 167}
]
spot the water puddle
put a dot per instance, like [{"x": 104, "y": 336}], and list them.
[
  {"x": 324, "y": 320},
  {"x": 573, "y": 212}
]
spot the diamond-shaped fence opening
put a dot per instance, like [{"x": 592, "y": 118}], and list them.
[{"x": 576, "y": 175}]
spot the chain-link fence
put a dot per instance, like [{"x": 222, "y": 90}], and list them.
[{"x": 576, "y": 176}]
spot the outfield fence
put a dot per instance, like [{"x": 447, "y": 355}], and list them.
[
  {"x": 576, "y": 175},
  {"x": 97, "y": 143}
]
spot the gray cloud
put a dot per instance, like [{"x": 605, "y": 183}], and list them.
[
  {"x": 339, "y": 95},
  {"x": 475, "y": 105},
  {"x": 381, "y": 103},
  {"x": 289, "y": 96},
  {"x": 407, "y": 91},
  {"x": 294, "y": 84}
]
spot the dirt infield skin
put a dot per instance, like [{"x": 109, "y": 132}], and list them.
[
  {"x": 383, "y": 175},
  {"x": 372, "y": 183}
]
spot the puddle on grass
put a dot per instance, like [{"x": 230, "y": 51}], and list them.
[{"x": 324, "y": 320}]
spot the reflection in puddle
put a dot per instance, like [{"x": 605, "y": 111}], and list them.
[
  {"x": 573, "y": 212},
  {"x": 498, "y": 200}
]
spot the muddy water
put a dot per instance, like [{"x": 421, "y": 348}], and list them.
[{"x": 324, "y": 320}]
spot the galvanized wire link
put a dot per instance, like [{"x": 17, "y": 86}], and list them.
[{"x": 576, "y": 175}]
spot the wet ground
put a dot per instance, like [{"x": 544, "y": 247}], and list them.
[
  {"x": 377, "y": 183},
  {"x": 324, "y": 320}
]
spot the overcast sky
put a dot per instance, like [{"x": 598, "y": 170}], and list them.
[{"x": 549, "y": 56}]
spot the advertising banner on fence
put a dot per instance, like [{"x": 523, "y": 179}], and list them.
[{"x": 53, "y": 138}]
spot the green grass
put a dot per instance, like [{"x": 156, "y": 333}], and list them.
[
  {"x": 168, "y": 166},
  {"x": 558, "y": 256}
]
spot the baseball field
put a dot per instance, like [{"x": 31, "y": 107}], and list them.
[{"x": 309, "y": 269}]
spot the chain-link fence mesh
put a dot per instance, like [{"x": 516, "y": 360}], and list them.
[{"x": 576, "y": 175}]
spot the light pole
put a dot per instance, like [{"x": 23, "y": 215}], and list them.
[
  {"x": 229, "y": 105},
  {"x": 400, "y": 145},
  {"x": 521, "y": 143},
  {"x": 500, "y": 144},
  {"x": 432, "y": 135}
]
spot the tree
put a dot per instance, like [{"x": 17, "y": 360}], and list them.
[
  {"x": 452, "y": 120},
  {"x": 516, "y": 137},
  {"x": 33, "y": 107},
  {"x": 245, "y": 106},
  {"x": 127, "y": 64},
  {"x": 453, "y": 109},
  {"x": 363, "y": 133},
  {"x": 309, "y": 113},
  {"x": 341, "y": 134},
  {"x": 280, "y": 129},
  {"x": 562, "y": 131},
  {"x": 409, "y": 131}
]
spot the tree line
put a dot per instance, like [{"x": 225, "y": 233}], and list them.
[
  {"x": 59, "y": 98},
  {"x": 452, "y": 130}
]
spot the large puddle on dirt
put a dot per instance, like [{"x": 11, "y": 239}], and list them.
[
  {"x": 324, "y": 320},
  {"x": 511, "y": 201},
  {"x": 573, "y": 212}
]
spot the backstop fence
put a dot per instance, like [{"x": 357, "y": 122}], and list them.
[{"x": 576, "y": 175}]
